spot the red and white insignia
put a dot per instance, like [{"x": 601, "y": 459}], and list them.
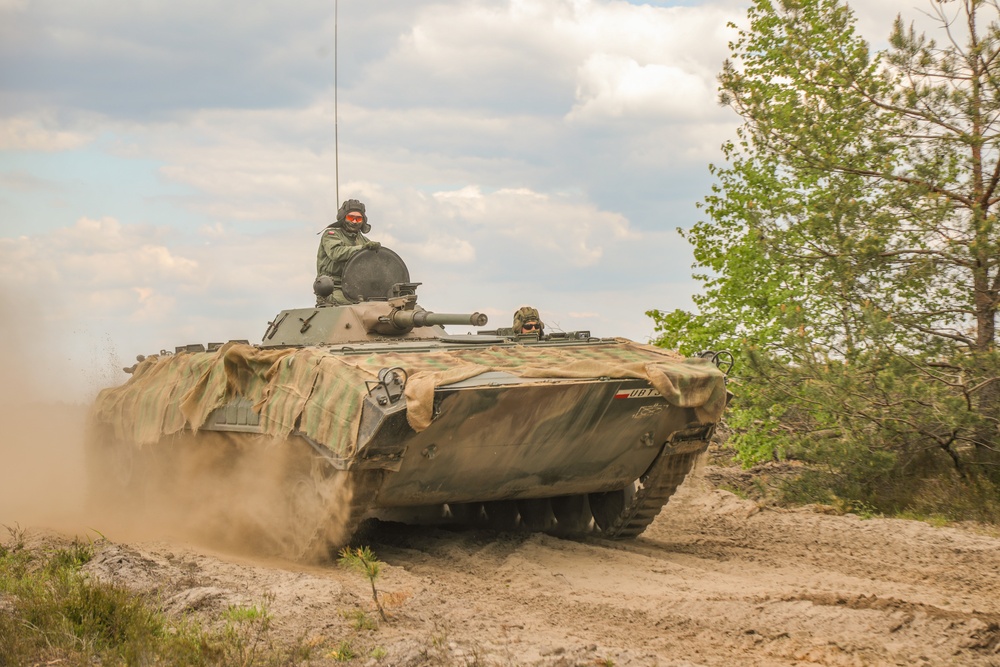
[{"x": 647, "y": 392}]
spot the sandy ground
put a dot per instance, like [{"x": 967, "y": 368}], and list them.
[{"x": 714, "y": 581}]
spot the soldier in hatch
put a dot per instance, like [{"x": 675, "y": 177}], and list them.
[
  {"x": 341, "y": 239},
  {"x": 527, "y": 321}
]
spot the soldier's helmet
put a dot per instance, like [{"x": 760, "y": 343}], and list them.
[
  {"x": 347, "y": 207},
  {"x": 527, "y": 314}
]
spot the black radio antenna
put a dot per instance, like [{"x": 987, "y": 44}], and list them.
[{"x": 336, "y": 129}]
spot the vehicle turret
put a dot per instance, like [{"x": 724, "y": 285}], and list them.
[{"x": 385, "y": 305}]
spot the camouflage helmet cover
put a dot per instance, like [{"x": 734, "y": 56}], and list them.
[
  {"x": 347, "y": 207},
  {"x": 525, "y": 314}
]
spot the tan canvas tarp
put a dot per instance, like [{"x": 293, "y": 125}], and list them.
[{"x": 321, "y": 394}]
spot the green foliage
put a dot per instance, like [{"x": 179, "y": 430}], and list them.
[
  {"x": 52, "y": 613},
  {"x": 361, "y": 559},
  {"x": 936, "y": 520},
  {"x": 56, "y": 611},
  {"x": 878, "y": 431},
  {"x": 77, "y": 555},
  {"x": 246, "y": 633},
  {"x": 851, "y": 255}
]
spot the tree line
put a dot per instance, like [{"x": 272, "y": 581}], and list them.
[{"x": 850, "y": 254}]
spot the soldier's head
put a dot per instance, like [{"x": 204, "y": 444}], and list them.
[
  {"x": 352, "y": 218},
  {"x": 527, "y": 321}
]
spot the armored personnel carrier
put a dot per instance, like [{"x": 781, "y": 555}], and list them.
[{"x": 373, "y": 410}]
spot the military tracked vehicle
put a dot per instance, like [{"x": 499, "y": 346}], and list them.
[{"x": 378, "y": 412}]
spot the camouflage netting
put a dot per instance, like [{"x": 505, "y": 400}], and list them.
[{"x": 321, "y": 394}]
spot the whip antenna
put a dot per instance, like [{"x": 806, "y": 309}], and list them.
[{"x": 336, "y": 129}]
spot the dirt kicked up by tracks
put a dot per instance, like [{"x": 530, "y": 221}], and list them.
[{"x": 713, "y": 581}]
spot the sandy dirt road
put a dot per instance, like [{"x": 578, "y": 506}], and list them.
[{"x": 713, "y": 581}]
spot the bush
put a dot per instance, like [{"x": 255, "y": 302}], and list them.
[
  {"x": 52, "y": 613},
  {"x": 894, "y": 433}
]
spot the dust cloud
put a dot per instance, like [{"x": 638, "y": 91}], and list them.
[
  {"x": 239, "y": 492},
  {"x": 41, "y": 440}
]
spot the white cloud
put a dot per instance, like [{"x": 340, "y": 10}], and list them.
[
  {"x": 215, "y": 231},
  {"x": 505, "y": 95},
  {"x": 242, "y": 165},
  {"x": 875, "y": 18},
  {"x": 40, "y": 133},
  {"x": 439, "y": 249},
  {"x": 616, "y": 86},
  {"x": 534, "y": 54},
  {"x": 93, "y": 258},
  {"x": 153, "y": 306},
  {"x": 540, "y": 226}
]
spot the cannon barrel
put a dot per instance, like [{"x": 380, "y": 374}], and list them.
[{"x": 404, "y": 319}]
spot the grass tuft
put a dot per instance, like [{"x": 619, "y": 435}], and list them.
[
  {"x": 343, "y": 652},
  {"x": 360, "y": 620}
]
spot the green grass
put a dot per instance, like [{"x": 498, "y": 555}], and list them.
[
  {"x": 343, "y": 653},
  {"x": 52, "y": 613},
  {"x": 936, "y": 520},
  {"x": 742, "y": 494},
  {"x": 360, "y": 620}
]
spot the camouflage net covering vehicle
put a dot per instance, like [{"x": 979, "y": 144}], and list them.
[{"x": 373, "y": 411}]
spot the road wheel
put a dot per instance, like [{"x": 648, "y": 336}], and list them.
[
  {"x": 501, "y": 514},
  {"x": 607, "y": 507},
  {"x": 572, "y": 513},
  {"x": 467, "y": 514},
  {"x": 536, "y": 514}
]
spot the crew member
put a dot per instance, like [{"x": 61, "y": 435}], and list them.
[
  {"x": 527, "y": 321},
  {"x": 341, "y": 239}
]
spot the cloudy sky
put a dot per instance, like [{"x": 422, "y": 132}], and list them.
[{"x": 165, "y": 165}]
